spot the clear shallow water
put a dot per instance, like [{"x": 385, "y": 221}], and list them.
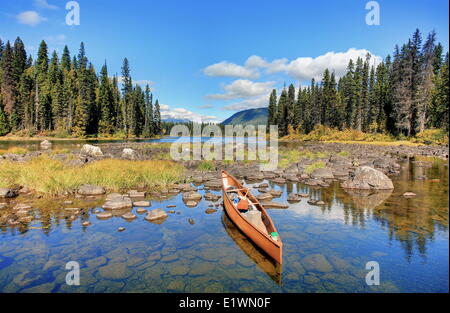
[{"x": 408, "y": 237}]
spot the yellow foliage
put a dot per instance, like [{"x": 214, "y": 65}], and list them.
[{"x": 53, "y": 177}]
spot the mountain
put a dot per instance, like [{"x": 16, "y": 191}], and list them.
[
  {"x": 246, "y": 117},
  {"x": 176, "y": 120}
]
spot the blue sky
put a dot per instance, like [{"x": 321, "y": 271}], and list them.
[{"x": 207, "y": 59}]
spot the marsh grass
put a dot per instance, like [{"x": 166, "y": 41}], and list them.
[
  {"x": 52, "y": 177},
  {"x": 314, "y": 166},
  {"x": 287, "y": 157},
  {"x": 206, "y": 166},
  {"x": 14, "y": 150}
]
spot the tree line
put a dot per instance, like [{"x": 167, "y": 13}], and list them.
[
  {"x": 65, "y": 96},
  {"x": 403, "y": 95}
]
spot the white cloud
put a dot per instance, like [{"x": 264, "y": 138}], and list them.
[
  {"x": 57, "y": 39},
  {"x": 243, "y": 88},
  {"x": 31, "y": 18},
  {"x": 43, "y": 4},
  {"x": 257, "y": 102},
  {"x": 226, "y": 69},
  {"x": 301, "y": 68},
  {"x": 181, "y": 113}
]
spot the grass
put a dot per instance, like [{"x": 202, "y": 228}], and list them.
[
  {"x": 312, "y": 167},
  {"x": 288, "y": 157},
  {"x": 14, "y": 150},
  {"x": 351, "y": 136},
  {"x": 52, "y": 177},
  {"x": 206, "y": 166},
  {"x": 344, "y": 154}
]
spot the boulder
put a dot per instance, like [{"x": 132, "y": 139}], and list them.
[
  {"x": 409, "y": 194},
  {"x": 368, "y": 178},
  {"x": 293, "y": 197},
  {"x": 46, "y": 144},
  {"x": 142, "y": 203},
  {"x": 129, "y": 154},
  {"x": 322, "y": 173},
  {"x": 136, "y": 194},
  {"x": 192, "y": 196},
  {"x": 90, "y": 190},
  {"x": 7, "y": 193},
  {"x": 91, "y": 150},
  {"x": 156, "y": 214},
  {"x": 118, "y": 204},
  {"x": 274, "y": 205}
]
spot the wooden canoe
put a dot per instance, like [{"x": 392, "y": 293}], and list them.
[{"x": 258, "y": 233}]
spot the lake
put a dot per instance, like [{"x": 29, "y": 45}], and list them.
[{"x": 326, "y": 248}]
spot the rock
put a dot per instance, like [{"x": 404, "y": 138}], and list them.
[
  {"x": 87, "y": 223},
  {"x": 191, "y": 203},
  {"x": 293, "y": 197},
  {"x": 90, "y": 190},
  {"x": 192, "y": 196},
  {"x": 211, "y": 197},
  {"x": 118, "y": 204},
  {"x": 136, "y": 194},
  {"x": 115, "y": 196},
  {"x": 171, "y": 206},
  {"x": 275, "y": 193},
  {"x": 279, "y": 180},
  {"x": 156, "y": 214},
  {"x": 322, "y": 173},
  {"x": 7, "y": 193},
  {"x": 213, "y": 184},
  {"x": 254, "y": 176},
  {"x": 274, "y": 205},
  {"x": 46, "y": 144},
  {"x": 129, "y": 216},
  {"x": 91, "y": 150},
  {"x": 315, "y": 202},
  {"x": 21, "y": 207},
  {"x": 129, "y": 154},
  {"x": 104, "y": 215},
  {"x": 120, "y": 229},
  {"x": 2, "y": 205},
  {"x": 115, "y": 271},
  {"x": 317, "y": 263},
  {"x": 210, "y": 211},
  {"x": 141, "y": 211},
  {"x": 68, "y": 202},
  {"x": 191, "y": 221},
  {"x": 142, "y": 203},
  {"x": 368, "y": 178},
  {"x": 409, "y": 194},
  {"x": 264, "y": 196},
  {"x": 304, "y": 195}
]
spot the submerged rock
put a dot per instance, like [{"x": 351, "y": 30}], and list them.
[
  {"x": 129, "y": 216},
  {"x": 210, "y": 211},
  {"x": 368, "y": 178},
  {"x": 191, "y": 221},
  {"x": 141, "y": 211},
  {"x": 317, "y": 263},
  {"x": 90, "y": 190}
]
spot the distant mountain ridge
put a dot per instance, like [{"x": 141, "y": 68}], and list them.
[{"x": 248, "y": 117}]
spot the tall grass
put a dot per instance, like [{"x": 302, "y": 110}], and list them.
[
  {"x": 14, "y": 150},
  {"x": 52, "y": 177}
]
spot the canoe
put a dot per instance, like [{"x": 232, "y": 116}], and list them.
[{"x": 254, "y": 222}]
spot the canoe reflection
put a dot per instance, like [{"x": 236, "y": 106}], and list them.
[{"x": 263, "y": 261}]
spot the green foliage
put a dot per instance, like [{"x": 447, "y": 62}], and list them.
[
  {"x": 65, "y": 96},
  {"x": 206, "y": 166},
  {"x": 312, "y": 167}
]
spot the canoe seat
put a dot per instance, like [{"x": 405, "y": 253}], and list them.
[{"x": 254, "y": 217}]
